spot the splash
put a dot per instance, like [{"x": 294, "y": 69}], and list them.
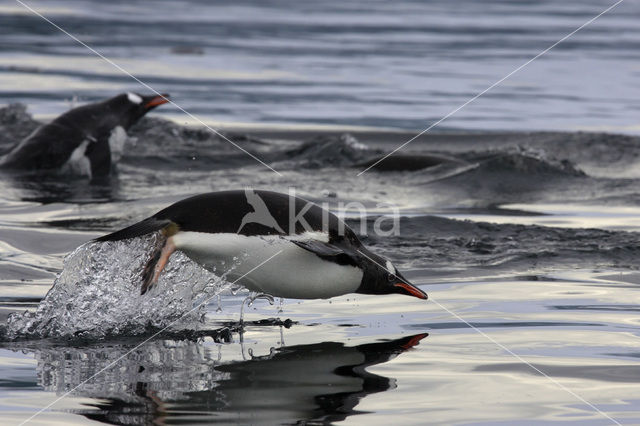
[
  {"x": 327, "y": 151},
  {"x": 98, "y": 295}
]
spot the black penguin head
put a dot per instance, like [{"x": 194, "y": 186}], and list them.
[
  {"x": 131, "y": 107},
  {"x": 381, "y": 277}
]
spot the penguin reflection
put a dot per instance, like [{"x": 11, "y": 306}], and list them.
[{"x": 321, "y": 382}]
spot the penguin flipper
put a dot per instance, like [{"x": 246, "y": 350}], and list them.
[
  {"x": 99, "y": 154},
  {"x": 326, "y": 251},
  {"x": 139, "y": 229}
]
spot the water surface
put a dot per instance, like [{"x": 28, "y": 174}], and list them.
[{"x": 527, "y": 243}]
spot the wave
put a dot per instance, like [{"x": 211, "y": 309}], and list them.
[
  {"x": 441, "y": 243},
  {"x": 502, "y": 163},
  {"x": 15, "y": 124},
  {"x": 461, "y": 170},
  {"x": 549, "y": 155},
  {"x": 327, "y": 151},
  {"x": 496, "y": 178}
]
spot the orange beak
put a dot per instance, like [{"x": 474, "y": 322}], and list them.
[
  {"x": 411, "y": 290},
  {"x": 157, "y": 100}
]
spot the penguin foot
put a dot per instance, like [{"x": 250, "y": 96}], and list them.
[{"x": 155, "y": 265}]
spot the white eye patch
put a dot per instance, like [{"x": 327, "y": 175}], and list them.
[
  {"x": 390, "y": 267},
  {"x": 133, "y": 98}
]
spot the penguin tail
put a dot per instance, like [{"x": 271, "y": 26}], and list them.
[{"x": 139, "y": 229}]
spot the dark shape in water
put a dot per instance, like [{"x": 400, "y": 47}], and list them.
[
  {"x": 320, "y": 382},
  {"x": 83, "y": 140},
  {"x": 212, "y": 230},
  {"x": 406, "y": 162}
]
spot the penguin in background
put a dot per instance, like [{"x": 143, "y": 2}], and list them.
[{"x": 86, "y": 140}]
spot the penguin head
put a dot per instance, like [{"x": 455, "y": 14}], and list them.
[
  {"x": 380, "y": 276},
  {"x": 130, "y": 107}
]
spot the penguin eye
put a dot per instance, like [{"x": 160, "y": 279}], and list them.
[{"x": 391, "y": 278}]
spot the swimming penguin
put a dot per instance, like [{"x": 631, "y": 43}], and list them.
[
  {"x": 289, "y": 247},
  {"x": 85, "y": 140}
]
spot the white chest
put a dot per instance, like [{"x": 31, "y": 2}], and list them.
[
  {"x": 117, "y": 140},
  {"x": 78, "y": 163},
  {"x": 269, "y": 264}
]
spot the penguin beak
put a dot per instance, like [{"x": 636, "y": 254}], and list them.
[
  {"x": 413, "y": 341},
  {"x": 410, "y": 290},
  {"x": 154, "y": 101}
]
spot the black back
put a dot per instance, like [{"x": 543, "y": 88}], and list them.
[
  {"x": 48, "y": 147},
  {"x": 218, "y": 212},
  {"x": 226, "y": 212}
]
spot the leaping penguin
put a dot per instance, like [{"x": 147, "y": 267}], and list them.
[
  {"x": 294, "y": 248},
  {"x": 85, "y": 140}
]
